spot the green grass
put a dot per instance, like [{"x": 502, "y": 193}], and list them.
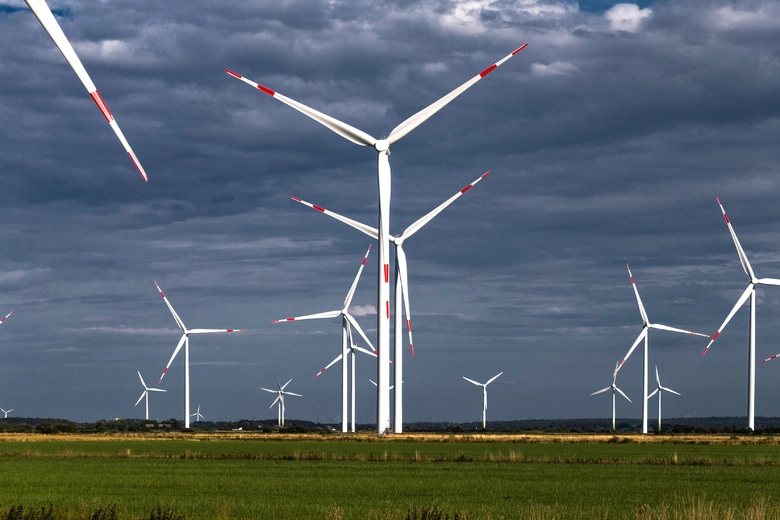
[{"x": 351, "y": 480}]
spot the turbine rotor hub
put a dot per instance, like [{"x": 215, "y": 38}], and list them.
[{"x": 382, "y": 146}]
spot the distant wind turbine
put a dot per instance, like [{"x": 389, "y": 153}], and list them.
[
  {"x": 614, "y": 389},
  {"x": 346, "y": 321},
  {"x": 658, "y": 391},
  {"x": 401, "y": 284},
  {"x": 6, "y": 412},
  {"x": 146, "y": 394},
  {"x": 280, "y": 399},
  {"x": 197, "y": 415},
  {"x": 49, "y": 23},
  {"x": 749, "y": 292},
  {"x": 185, "y": 341},
  {"x": 646, "y": 326},
  {"x": 484, "y": 395}
]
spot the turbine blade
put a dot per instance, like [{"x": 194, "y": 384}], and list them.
[
  {"x": 614, "y": 374},
  {"x": 272, "y": 391},
  {"x": 602, "y": 390},
  {"x": 327, "y": 367},
  {"x": 657, "y": 379},
  {"x": 740, "y": 303},
  {"x": 768, "y": 281},
  {"x": 293, "y": 393},
  {"x": 343, "y": 129},
  {"x": 638, "y": 299},
  {"x": 670, "y": 390},
  {"x": 672, "y": 329},
  {"x": 52, "y": 27},
  {"x": 285, "y": 385},
  {"x": 175, "y": 316},
  {"x": 416, "y": 226},
  {"x": 321, "y": 315},
  {"x": 213, "y": 331},
  {"x": 178, "y": 348},
  {"x": 636, "y": 342},
  {"x": 742, "y": 256},
  {"x": 402, "y": 269},
  {"x": 6, "y": 316},
  {"x": 624, "y": 395},
  {"x": 472, "y": 381},
  {"x": 139, "y": 399},
  {"x": 421, "y": 116},
  {"x": 493, "y": 378},
  {"x": 653, "y": 393},
  {"x": 155, "y": 390},
  {"x": 368, "y": 230},
  {"x": 355, "y": 324},
  {"x": 372, "y": 382},
  {"x": 351, "y": 293},
  {"x": 278, "y": 397},
  {"x": 361, "y": 349},
  {"x": 142, "y": 381}
]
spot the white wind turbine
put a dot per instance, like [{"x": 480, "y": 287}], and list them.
[
  {"x": 658, "y": 390},
  {"x": 749, "y": 292},
  {"x": 146, "y": 394},
  {"x": 280, "y": 399},
  {"x": 484, "y": 395},
  {"x": 185, "y": 341},
  {"x": 382, "y": 147},
  {"x": 401, "y": 284},
  {"x": 197, "y": 415},
  {"x": 353, "y": 347},
  {"x": 49, "y": 23},
  {"x": 646, "y": 326},
  {"x": 346, "y": 321},
  {"x": 614, "y": 389},
  {"x": 6, "y": 412}
]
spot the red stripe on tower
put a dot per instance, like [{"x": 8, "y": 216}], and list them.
[
  {"x": 387, "y": 273},
  {"x": 488, "y": 70},
  {"x": 387, "y": 306},
  {"x": 98, "y": 99}
]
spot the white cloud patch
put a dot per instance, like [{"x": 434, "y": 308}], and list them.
[
  {"x": 627, "y": 17},
  {"x": 362, "y": 310},
  {"x": 556, "y": 68}
]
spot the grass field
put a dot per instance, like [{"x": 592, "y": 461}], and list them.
[{"x": 275, "y": 476}]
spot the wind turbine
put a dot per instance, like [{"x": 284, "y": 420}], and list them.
[
  {"x": 185, "y": 340},
  {"x": 401, "y": 284},
  {"x": 646, "y": 326},
  {"x": 353, "y": 347},
  {"x": 346, "y": 321},
  {"x": 197, "y": 415},
  {"x": 146, "y": 394},
  {"x": 614, "y": 389},
  {"x": 382, "y": 148},
  {"x": 49, "y": 23},
  {"x": 658, "y": 391},
  {"x": 280, "y": 399},
  {"x": 749, "y": 292},
  {"x": 6, "y": 412},
  {"x": 484, "y": 394}
]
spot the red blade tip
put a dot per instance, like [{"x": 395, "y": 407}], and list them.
[
  {"x": 232, "y": 73},
  {"x": 523, "y": 46}
]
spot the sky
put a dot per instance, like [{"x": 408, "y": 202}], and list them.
[{"x": 609, "y": 138}]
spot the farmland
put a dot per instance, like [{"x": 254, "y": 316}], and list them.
[{"x": 364, "y": 476}]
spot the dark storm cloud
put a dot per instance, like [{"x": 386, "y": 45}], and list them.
[{"x": 608, "y": 137}]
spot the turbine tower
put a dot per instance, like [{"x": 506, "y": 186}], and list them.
[
  {"x": 49, "y": 23},
  {"x": 353, "y": 347},
  {"x": 382, "y": 148},
  {"x": 484, "y": 395},
  {"x": 146, "y": 394},
  {"x": 658, "y": 391},
  {"x": 614, "y": 389},
  {"x": 646, "y": 326},
  {"x": 280, "y": 399},
  {"x": 346, "y": 321},
  {"x": 401, "y": 285},
  {"x": 185, "y": 341}
]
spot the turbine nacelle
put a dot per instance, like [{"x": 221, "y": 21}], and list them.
[{"x": 382, "y": 146}]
